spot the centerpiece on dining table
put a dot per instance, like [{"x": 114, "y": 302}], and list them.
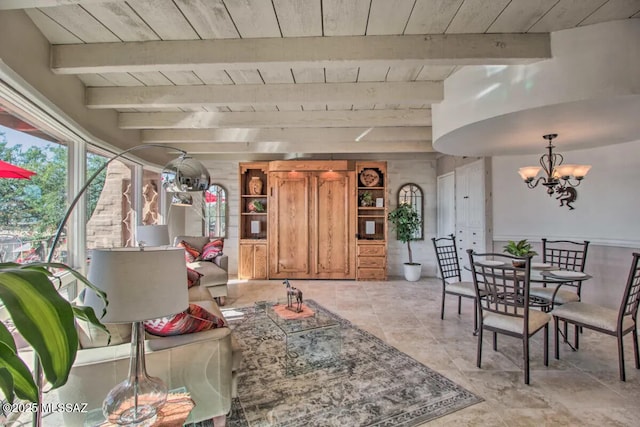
[{"x": 519, "y": 249}]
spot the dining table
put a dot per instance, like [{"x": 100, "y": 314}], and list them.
[{"x": 548, "y": 274}]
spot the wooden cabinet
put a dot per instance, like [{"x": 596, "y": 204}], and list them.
[
  {"x": 371, "y": 220},
  {"x": 252, "y": 262},
  {"x": 253, "y": 224},
  {"x": 311, "y": 222}
]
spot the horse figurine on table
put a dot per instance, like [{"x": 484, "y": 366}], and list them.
[{"x": 293, "y": 293}]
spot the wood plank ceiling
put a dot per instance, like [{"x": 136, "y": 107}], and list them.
[{"x": 225, "y": 78}]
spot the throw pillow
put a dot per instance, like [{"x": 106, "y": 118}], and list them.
[
  {"x": 190, "y": 253},
  {"x": 194, "y": 319},
  {"x": 193, "y": 277},
  {"x": 212, "y": 249}
]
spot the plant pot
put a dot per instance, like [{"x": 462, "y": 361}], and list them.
[
  {"x": 518, "y": 264},
  {"x": 412, "y": 272}
]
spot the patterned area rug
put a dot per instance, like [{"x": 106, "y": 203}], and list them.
[{"x": 365, "y": 383}]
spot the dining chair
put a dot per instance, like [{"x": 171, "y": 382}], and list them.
[
  {"x": 504, "y": 308},
  {"x": 609, "y": 321},
  {"x": 452, "y": 283},
  {"x": 566, "y": 255}
]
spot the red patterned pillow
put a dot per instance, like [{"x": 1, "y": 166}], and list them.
[
  {"x": 194, "y": 319},
  {"x": 190, "y": 253},
  {"x": 212, "y": 249},
  {"x": 193, "y": 277}
]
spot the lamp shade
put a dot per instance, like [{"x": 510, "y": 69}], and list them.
[
  {"x": 140, "y": 284},
  {"x": 185, "y": 174},
  {"x": 153, "y": 235},
  {"x": 529, "y": 172},
  {"x": 581, "y": 171}
]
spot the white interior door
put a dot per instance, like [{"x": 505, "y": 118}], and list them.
[{"x": 446, "y": 201}]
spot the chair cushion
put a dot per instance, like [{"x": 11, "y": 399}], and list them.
[
  {"x": 537, "y": 320},
  {"x": 212, "y": 274},
  {"x": 592, "y": 315},
  {"x": 194, "y": 319},
  {"x": 190, "y": 253},
  {"x": 461, "y": 288},
  {"x": 197, "y": 242},
  {"x": 90, "y": 336},
  {"x": 562, "y": 297},
  {"x": 193, "y": 277},
  {"x": 212, "y": 249}
]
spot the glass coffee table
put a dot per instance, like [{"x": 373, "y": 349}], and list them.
[{"x": 310, "y": 343}]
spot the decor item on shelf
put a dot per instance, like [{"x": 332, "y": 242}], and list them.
[
  {"x": 369, "y": 177},
  {"x": 366, "y": 199},
  {"x": 519, "y": 249},
  {"x": 560, "y": 178},
  {"x": 255, "y": 206},
  {"x": 407, "y": 222},
  {"x": 141, "y": 283},
  {"x": 255, "y": 186},
  {"x": 185, "y": 174}
]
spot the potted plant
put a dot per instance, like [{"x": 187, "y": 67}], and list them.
[
  {"x": 46, "y": 322},
  {"x": 366, "y": 199},
  {"x": 255, "y": 206},
  {"x": 519, "y": 249},
  {"x": 407, "y": 222}
]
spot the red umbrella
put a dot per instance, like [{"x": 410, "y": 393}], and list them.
[
  {"x": 210, "y": 197},
  {"x": 7, "y": 170}
]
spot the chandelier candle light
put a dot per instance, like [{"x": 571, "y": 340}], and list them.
[{"x": 560, "y": 178}]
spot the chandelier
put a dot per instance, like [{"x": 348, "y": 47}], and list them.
[{"x": 559, "y": 178}]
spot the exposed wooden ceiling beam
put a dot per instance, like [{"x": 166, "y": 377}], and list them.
[
  {"x": 293, "y": 52},
  {"x": 298, "y": 147},
  {"x": 275, "y": 119},
  {"x": 315, "y": 135},
  {"x": 427, "y": 92},
  {"x": 29, "y": 4}
]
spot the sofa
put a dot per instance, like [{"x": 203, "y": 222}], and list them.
[
  {"x": 204, "y": 362},
  {"x": 214, "y": 273}
]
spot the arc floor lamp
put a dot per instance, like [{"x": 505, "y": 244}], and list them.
[{"x": 180, "y": 175}]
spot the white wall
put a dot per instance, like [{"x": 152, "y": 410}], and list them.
[
  {"x": 423, "y": 173},
  {"x": 606, "y": 211},
  {"x": 606, "y": 214}
]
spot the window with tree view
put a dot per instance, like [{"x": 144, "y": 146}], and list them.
[{"x": 31, "y": 208}]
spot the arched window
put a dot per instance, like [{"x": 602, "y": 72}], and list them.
[
  {"x": 215, "y": 210},
  {"x": 412, "y": 195}
]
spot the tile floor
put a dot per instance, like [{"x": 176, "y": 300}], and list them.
[{"x": 580, "y": 389}]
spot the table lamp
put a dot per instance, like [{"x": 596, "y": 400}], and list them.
[
  {"x": 142, "y": 284},
  {"x": 152, "y": 235}
]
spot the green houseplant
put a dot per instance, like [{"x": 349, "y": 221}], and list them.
[
  {"x": 366, "y": 199},
  {"x": 407, "y": 223},
  {"x": 519, "y": 249},
  {"x": 46, "y": 322}
]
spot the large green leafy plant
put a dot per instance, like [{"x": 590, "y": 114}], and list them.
[
  {"x": 521, "y": 248},
  {"x": 46, "y": 322},
  {"x": 406, "y": 222}
]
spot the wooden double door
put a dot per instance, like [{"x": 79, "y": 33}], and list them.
[{"x": 312, "y": 225}]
